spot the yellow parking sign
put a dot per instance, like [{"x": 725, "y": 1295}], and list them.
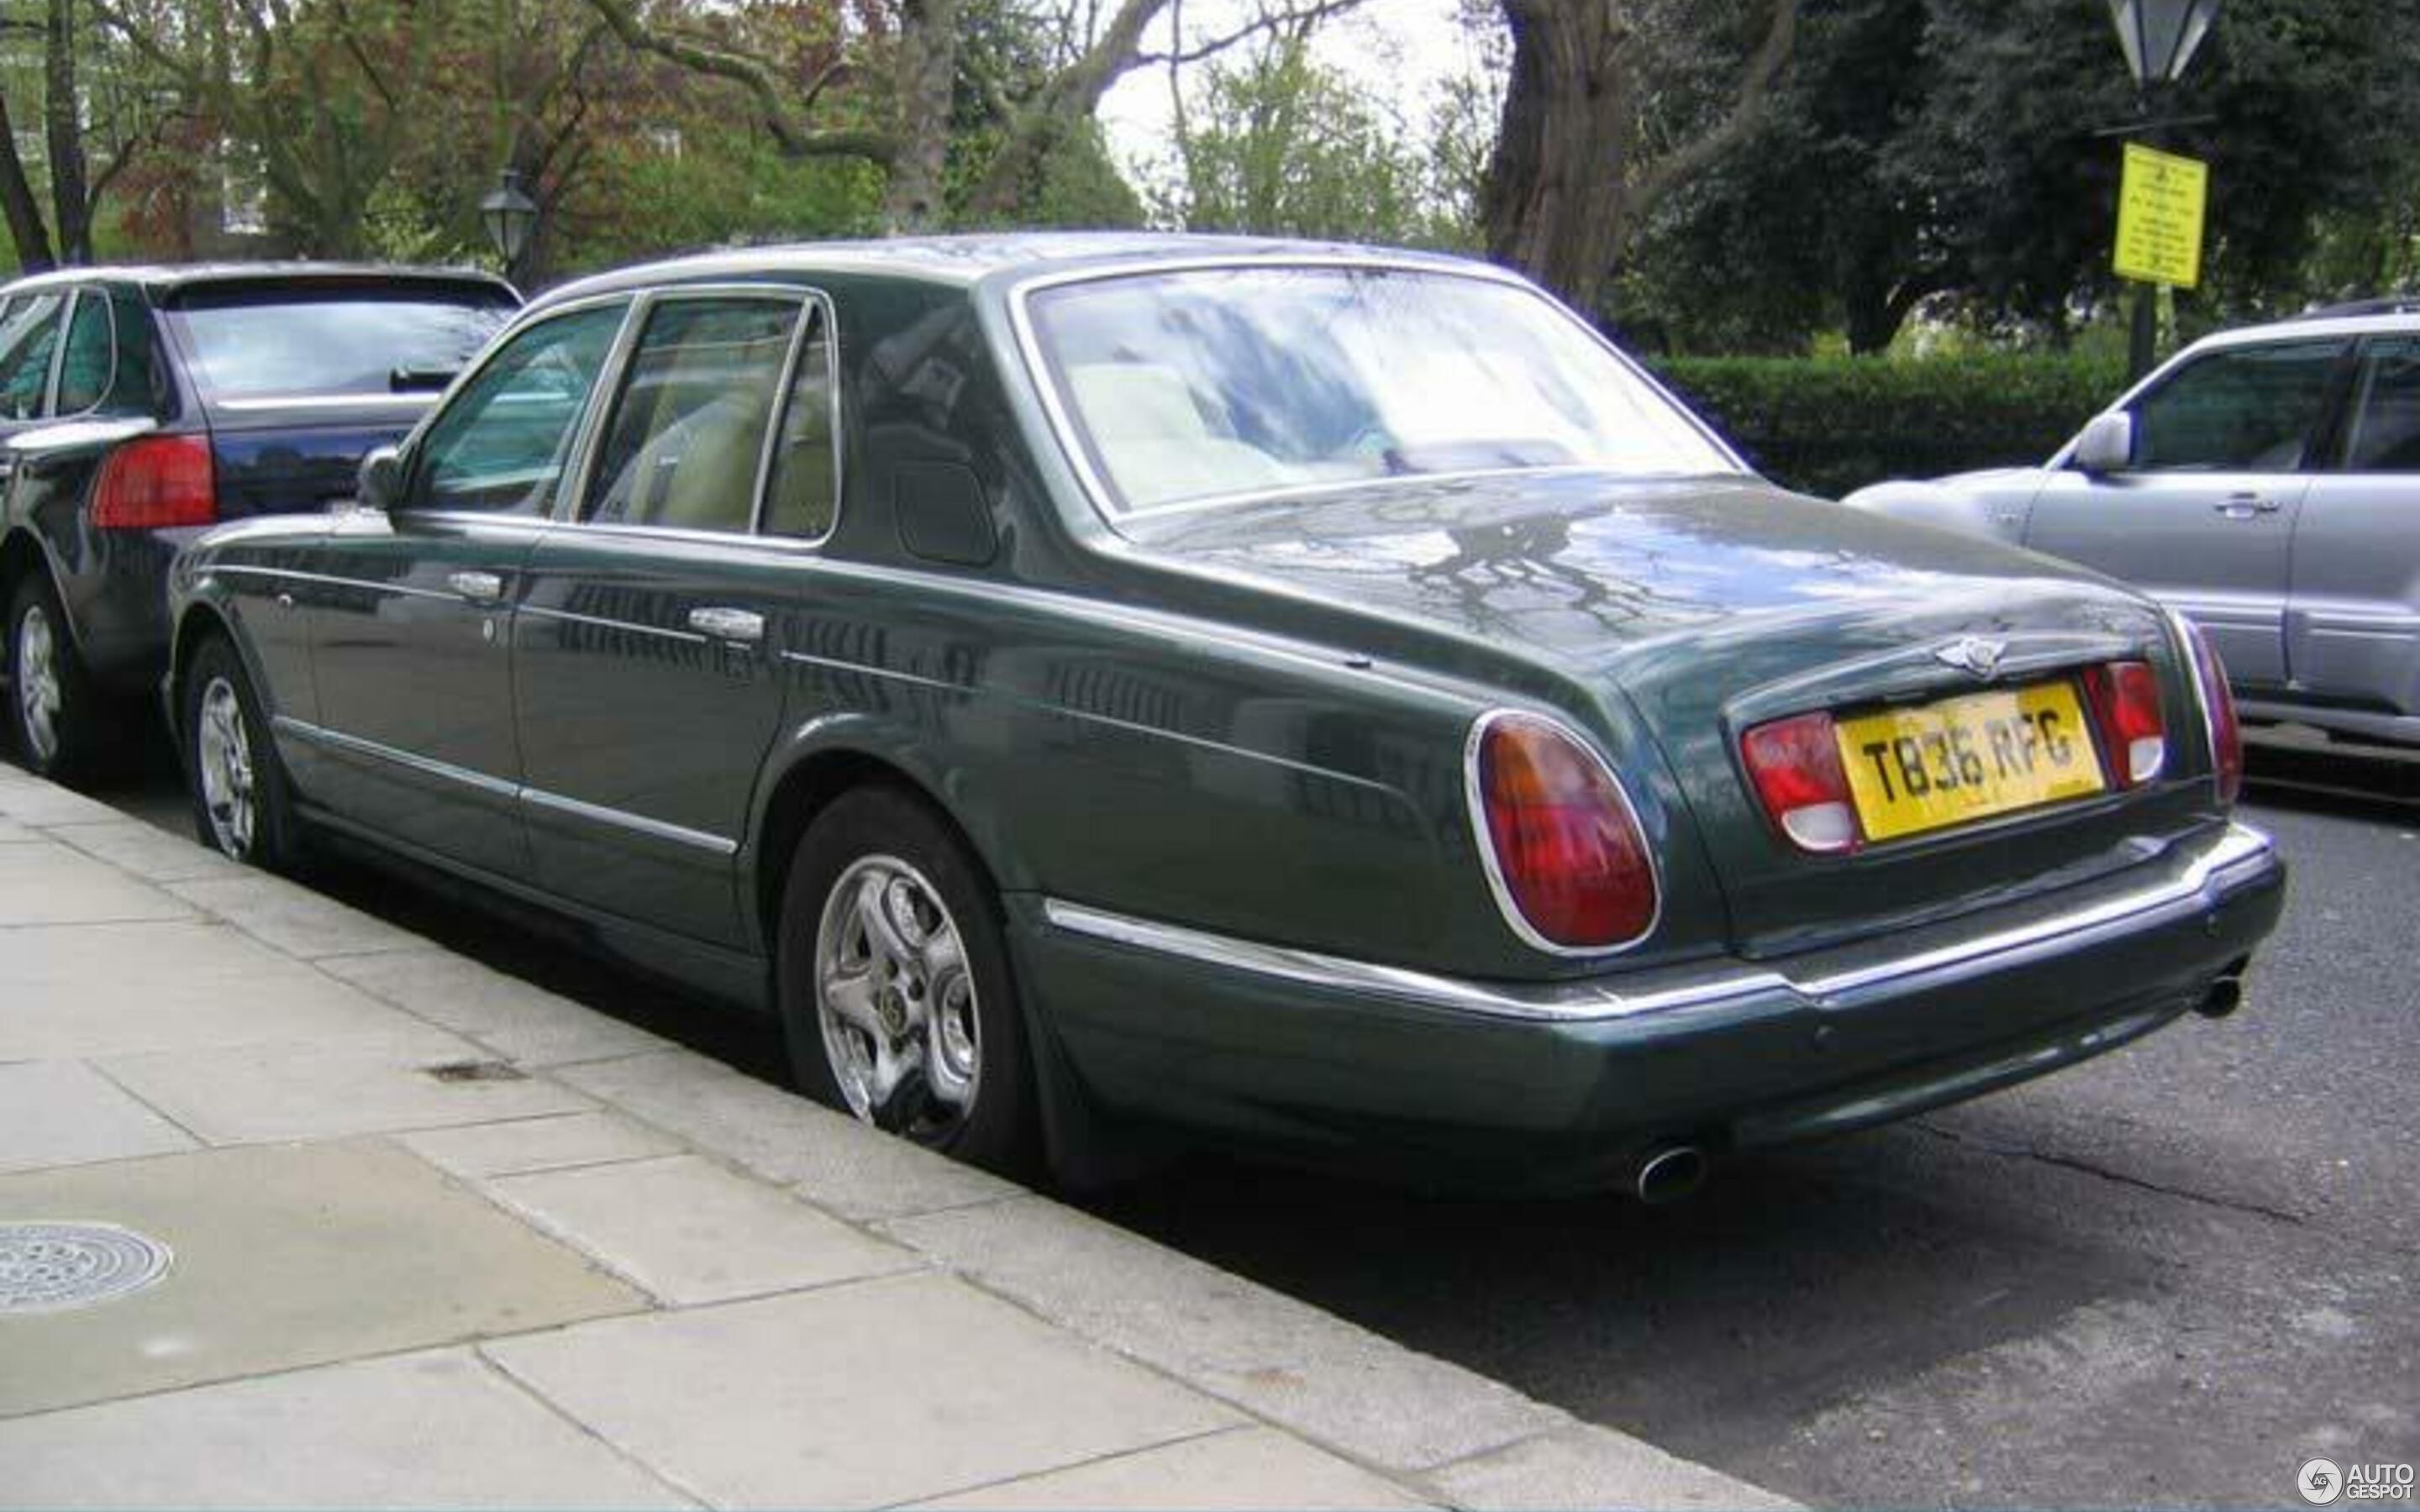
[{"x": 2160, "y": 204}]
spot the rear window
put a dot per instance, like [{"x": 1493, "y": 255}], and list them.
[{"x": 272, "y": 343}]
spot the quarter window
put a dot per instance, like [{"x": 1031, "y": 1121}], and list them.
[
  {"x": 84, "y": 371},
  {"x": 27, "y": 337},
  {"x": 499, "y": 447},
  {"x": 687, "y": 434},
  {"x": 804, "y": 496},
  {"x": 2386, "y": 432},
  {"x": 2251, "y": 409}
]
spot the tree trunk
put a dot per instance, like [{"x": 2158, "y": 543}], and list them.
[
  {"x": 25, "y": 211},
  {"x": 71, "y": 207},
  {"x": 1553, "y": 200},
  {"x": 928, "y": 63}
]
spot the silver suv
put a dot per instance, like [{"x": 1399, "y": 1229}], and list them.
[{"x": 2267, "y": 483}]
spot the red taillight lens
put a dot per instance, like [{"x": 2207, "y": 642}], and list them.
[
  {"x": 156, "y": 481},
  {"x": 2125, "y": 696},
  {"x": 2218, "y": 708},
  {"x": 1795, "y": 764},
  {"x": 1565, "y": 844}
]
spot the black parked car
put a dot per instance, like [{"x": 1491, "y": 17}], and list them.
[{"x": 141, "y": 405}]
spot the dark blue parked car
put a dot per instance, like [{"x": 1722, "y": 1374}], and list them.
[{"x": 141, "y": 405}]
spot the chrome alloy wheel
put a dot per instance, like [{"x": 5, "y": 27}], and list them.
[
  {"x": 223, "y": 757},
  {"x": 894, "y": 998},
  {"x": 37, "y": 684}
]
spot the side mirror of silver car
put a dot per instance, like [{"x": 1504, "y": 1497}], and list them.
[
  {"x": 2107, "y": 444},
  {"x": 379, "y": 480}
]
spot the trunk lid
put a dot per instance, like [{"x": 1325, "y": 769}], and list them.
[{"x": 1707, "y": 606}]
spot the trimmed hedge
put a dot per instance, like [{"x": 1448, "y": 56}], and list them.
[{"x": 1829, "y": 425}]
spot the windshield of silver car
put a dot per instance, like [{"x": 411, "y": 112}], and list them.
[{"x": 1193, "y": 386}]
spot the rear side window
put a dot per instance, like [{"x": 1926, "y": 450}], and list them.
[
  {"x": 803, "y": 495},
  {"x": 257, "y": 344},
  {"x": 687, "y": 436},
  {"x": 29, "y": 333},
  {"x": 2384, "y": 435},
  {"x": 2249, "y": 409}
]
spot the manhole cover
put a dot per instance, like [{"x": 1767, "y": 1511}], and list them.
[{"x": 51, "y": 1267}]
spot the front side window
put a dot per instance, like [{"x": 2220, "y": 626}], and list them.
[
  {"x": 499, "y": 447},
  {"x": 2384, "y": 433},
  {"x": 2249, "y": 409},
  {"x": 687, "y": 434},
  {"x": 1189, "y": 386},
  {"x": 28, "y": 336}
]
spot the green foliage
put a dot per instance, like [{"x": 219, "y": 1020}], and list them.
[{"x": 1826, "y": 426}]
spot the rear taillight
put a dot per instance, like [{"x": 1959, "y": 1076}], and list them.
[
  {"x": 2125, "y": 696},
  {"x": 1796, "y": 765},
  {"x": 154, "y": 483},
  {"x": 1561, "y": 842},
  {"x": 2218, "y": 710}
]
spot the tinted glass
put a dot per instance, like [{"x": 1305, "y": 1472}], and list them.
[
  {"x": 84, "y": 372},
  {"x": 28, "y": 334},
  {"x": 803, "y": 497},
  {"x": 258, "y": 344},
  {"x": 688, "y": 431},
  {"x": 2385, "y": 431},
  {"x": 1192, "y": 385},
  {"x": 499, "y": 446},
  {"x": 2248, "y": 410}
]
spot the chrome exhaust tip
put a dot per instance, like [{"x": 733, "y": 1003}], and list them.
[{"x": 1669, "y": 1174}]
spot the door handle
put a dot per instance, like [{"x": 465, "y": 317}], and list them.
[
  {"x": 479, "y": 587},
  {"x": 2245, "y": 505},
  {"x": 728, "y": 623}
]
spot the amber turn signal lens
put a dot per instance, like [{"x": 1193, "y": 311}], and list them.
[{"x": 1565, "y": 846}]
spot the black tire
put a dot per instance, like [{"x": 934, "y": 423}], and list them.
[
  {"x": 217, "y": 708},
  {"x": 885, "y": 836},
  {"x": 68, "y": 741}
]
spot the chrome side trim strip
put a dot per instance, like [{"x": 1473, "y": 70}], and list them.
[
  {"x": 511, "y": 791},
  {"x": 2239, "y": 856},
  {"x": 238, "y": 569},
  {"x": 539, "y": 612}
]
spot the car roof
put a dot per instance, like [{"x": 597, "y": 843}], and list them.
[
  {"x": 2401, "y": 320},
  {"x": 965, "y": 260},
  {"x": 169, "y": 278}
]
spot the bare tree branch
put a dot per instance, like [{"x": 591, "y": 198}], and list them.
[
  {"x": 1746, "y": 112},
  {"x": 771, "y": 97}
]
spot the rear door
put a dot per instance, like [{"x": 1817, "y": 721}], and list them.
[
  {"x": 412, "y": 629},
  {"x": 645, "y": 694},
  {"x": 2353, "y": 624},
  {"x": 2205, "y": 517}
]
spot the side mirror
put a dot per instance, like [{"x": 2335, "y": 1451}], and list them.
[
  {"x": 2107, "y": 444},
  {"x": 379, "y": 480}
]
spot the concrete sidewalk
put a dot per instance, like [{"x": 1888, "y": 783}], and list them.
[{"x": 435, "y": 1237}]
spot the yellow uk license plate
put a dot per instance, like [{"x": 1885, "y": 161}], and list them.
[{"x": 1968, "y": 758}]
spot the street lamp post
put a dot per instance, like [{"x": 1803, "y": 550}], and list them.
[
  {"x": 2159, "y": 37},
  {"x": 509, "y": 217}
]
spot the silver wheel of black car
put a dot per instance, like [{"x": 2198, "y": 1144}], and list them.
[
  {"x": 239, "y": 807},
  {"x": 897, "y": 996},
  {"x": 51, "y": 702}
]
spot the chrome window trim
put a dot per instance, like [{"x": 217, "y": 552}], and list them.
[
  {"x": 1101, "y": 497},
  {"x": 2241, "y": 855},
  {"x": 1475, "y": 804},
  {"x": 515, "y": 791}
]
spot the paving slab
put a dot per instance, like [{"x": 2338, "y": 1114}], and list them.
[
  {"x": 292, "y": 917},
  {"x": 835, "y": 1163},
  {"x": 13, "y": 833},
  {"x": 436, "y": 1429},
  {"x": 255, "y": 1093},
  {"x": 1241, "y": 1470},
  {"x": 49, "y": 883},
  {"x": 864, "y": 1394},
  {"x": 288, "y": 1257},
  {"x": 121, "y": 989},
  {"x": 1285, "y": 1360},
  {"x": 147, "y": 850},
  {"x": 522, "y": 1022},
  {"x": 538, "y": 1144},
  {"x": 64, "y": 1113},
  {"x": 1584, "y": 1466},
  {"x": 29, "y": 800},
  {"x": 691, "y": 1232}
]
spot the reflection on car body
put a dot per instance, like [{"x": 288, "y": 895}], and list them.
[{"x": 1322, "y": 698}]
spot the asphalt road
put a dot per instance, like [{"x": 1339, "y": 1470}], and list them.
[{"x": 2164, "y": 1277}]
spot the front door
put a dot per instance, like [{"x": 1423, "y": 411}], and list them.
[
  {"x": 2205, "y": 515},
  {"x": 411, "y": 628}
]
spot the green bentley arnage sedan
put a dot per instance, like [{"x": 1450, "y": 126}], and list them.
[{"x": 1324, "y": 699}]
